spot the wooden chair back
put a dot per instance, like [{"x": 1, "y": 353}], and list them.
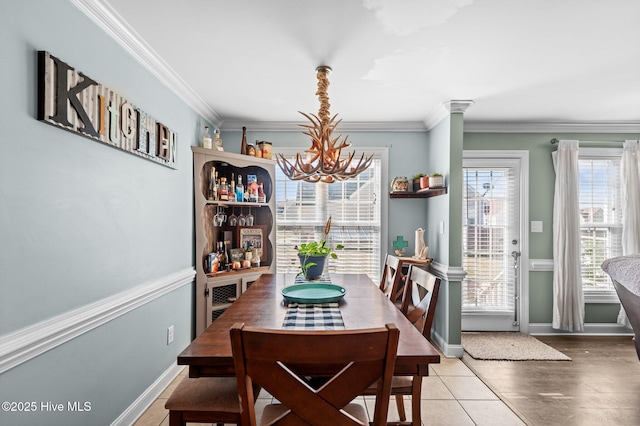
[
  {"x": 392, "y": 277},
  {"x": 419, "y": 299},
  {"x": 279, "y": 361}
]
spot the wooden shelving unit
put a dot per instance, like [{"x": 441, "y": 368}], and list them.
[
  {"x": 216, "y": 292},
  {"x": 422, "y": 193}
]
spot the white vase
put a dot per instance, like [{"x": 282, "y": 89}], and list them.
[{"x": 422, "y": 251}]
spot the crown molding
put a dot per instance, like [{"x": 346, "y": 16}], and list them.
[
  {"x": 345, "y": 126},
  {"x": 550, "y": 127},
  {"x": 444, "y": 110},
  {"x": 439, "y": 114},
  {"x": 101, "y": 13},
  {"x": 458, "y": 107}
]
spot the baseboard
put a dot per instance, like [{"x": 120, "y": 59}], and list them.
[
  {"x": 448, "y": 350},
  {"x": 29, "y": 342},
  {"x": 144, "y": 401},
  {"x": 590, "y": 329}
]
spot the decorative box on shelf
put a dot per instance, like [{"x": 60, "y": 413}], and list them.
[{"x": 436, "y": 181}]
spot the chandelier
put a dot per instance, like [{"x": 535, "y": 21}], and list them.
[{"x": 322, "y": 162}]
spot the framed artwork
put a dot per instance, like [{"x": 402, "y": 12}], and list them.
[
  {"x": 256, "y": 236},
  {"x": 237, "y": 254}
]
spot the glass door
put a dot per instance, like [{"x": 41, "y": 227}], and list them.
[{"x": 491, "y": 244}]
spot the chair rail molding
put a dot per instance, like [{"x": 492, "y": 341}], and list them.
[
  {"x": 540, "y": 265},
  {"x": 448, "y": 273},
  {"x": 22, "y": 345}
]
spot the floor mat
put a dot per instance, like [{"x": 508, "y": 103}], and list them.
[{"x": 509, "y": 346}]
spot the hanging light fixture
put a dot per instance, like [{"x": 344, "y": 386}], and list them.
[{"x": 322, "y": 162}]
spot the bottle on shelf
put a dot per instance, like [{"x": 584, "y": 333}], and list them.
[
  {"x": 239, "y": 190},
  {"x": 216, "y": 187},
  {"x": 232, "y": 188},
  {"x": 261, "y": 196},
  {"x": 253, "y": 191},
  {"x": 222, "y": 256},
  {"x": 211, "y": 195},
  {"x": 243, "y": 147},
  {"x": 206, "y": 141},
  {"x": 217, "y": 141},
  {"x": 225, "y": 247},
  {"x": 223, "y": 193}
]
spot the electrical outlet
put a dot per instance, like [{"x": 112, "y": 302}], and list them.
[{"x": 169, "y": 335}]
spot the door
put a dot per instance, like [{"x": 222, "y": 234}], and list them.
[{"x": 494, "y": 191}]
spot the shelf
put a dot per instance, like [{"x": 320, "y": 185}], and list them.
[
  {"x": 223, "y": 156},
  {"x": 238, "y": 272},
  {"x": 236, "y": 203},
  {"x": 414, "y": 261},
  {"x": 422, "y": 193}
]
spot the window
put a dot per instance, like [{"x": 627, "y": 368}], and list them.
[
  {"x": 601, "y": 215},
  {"x": 303, "y": 208}
]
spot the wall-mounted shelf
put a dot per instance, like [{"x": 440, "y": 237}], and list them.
[{"x": 422, "y": 193}]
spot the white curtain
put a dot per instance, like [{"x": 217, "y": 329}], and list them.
[
  {"x": 630, "y": 171},
  {"x": 568, "y": 299}
]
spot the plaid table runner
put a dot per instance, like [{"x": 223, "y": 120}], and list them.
[
  {"x": 300, "y": 279},
  {"x": 321, "y": 316}
]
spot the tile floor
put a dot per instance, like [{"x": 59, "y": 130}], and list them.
[{"x": 452, "y": 395}]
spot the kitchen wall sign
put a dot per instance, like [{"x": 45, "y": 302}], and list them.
[{"x": 72, "y": 101}]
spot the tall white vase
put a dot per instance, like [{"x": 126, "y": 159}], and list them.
[{"x": 422, "y": 251}]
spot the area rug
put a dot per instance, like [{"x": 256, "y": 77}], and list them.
[{"x": 509, "y": 346}]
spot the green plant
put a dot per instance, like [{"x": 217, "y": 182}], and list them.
[
  {"x": 435, "y": 174},
  {"x": 318, "y": 248},
  {"x": 419, "y": 175},
  {"x": 312, "y": 253}
]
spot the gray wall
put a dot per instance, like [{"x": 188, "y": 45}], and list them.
[{"x": 81, "y": 221}]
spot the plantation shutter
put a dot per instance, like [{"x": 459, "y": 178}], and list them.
[
  {"x": 302, "y": 210},
  {"x": 489, "y": 212}
]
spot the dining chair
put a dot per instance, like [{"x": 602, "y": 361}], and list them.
[
  {"x": 419, "y": 300},
  {"x": 205, "y": 400},
  {"x": 281, "y": 361},
  {"x": 392, "y": 277},
  {"x": 419, "y": 306}
]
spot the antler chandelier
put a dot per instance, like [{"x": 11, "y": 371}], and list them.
[{"x": 322, "y": 161}]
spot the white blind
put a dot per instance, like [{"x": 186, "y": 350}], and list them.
[
  {"x": 600, "y": 218},
  {"x": 489, "y": 212},
  {"x": 302, "y": 210}
]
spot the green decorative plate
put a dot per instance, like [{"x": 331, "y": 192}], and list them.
[{"x": 314, "y": 293}]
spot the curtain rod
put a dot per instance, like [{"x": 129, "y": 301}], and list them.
[{"x": 555, "y": 141}]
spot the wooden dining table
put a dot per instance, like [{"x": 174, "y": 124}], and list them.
[{"x": 262, "y": 305}]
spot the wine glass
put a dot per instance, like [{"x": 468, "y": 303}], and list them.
[
  {"x": 241, "y": 219},
  {"x": 249, "y": 218},
  {"x": 233, "y": 219}
]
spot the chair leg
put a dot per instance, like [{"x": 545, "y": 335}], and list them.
[
  {"x": 175, "y": 418},
  {"x": 400, "y": 405},
  {"x": 416, "y": 391}
]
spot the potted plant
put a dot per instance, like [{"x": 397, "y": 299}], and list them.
[
  {"x": 420, "y": 181},
  {"x": 436, "y": 180},
  {"x": 313, "y": 255}
]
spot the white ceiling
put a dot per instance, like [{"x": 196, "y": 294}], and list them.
[{"x": 520, "y": 61}]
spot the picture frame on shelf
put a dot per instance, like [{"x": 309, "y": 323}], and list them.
[
  {"x": 237, "y": 254},
  {"x": 255, "y": 235}
]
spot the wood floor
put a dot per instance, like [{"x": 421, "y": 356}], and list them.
[{"x": 600, "y": 386}]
